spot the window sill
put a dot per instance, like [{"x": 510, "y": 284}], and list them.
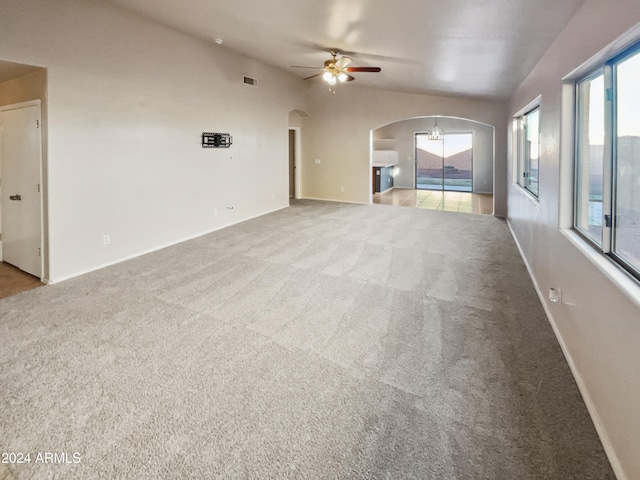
[
  {"x": 535, "y": 201},
  {"x": 618, "y": 276}
]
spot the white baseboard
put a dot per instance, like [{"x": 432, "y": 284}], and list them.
[
  {"x": 333, "y": 200},
  {"x": 155, "y": 249}
]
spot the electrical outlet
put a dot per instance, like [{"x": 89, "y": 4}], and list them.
[
  {"x": 555, "y": 295},
  {"x": 317, "y": 161},
  {"x": 342, "y": 189},
  {"x": 106, "y": 239}
]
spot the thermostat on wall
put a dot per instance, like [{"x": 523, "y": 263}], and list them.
[{"x": 216, "y": 140}]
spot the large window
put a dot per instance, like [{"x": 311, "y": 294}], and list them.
[
  {"x": 607, "y": 173},
  {"x": 528, "y": 150}
]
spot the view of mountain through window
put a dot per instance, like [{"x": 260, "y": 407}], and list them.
[{"x": 445, "y": 164}]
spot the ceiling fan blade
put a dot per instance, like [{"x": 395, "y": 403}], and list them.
[
  {"x": 363, "y": 69},
  {"x": 343, "y": 61},
  {"x": 300, "y": 66},
  {"x": 313, "y": 76},
  {"x": 350, "y": 78}
]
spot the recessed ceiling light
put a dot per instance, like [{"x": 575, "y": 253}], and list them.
[{"x": 219, "y": 41}]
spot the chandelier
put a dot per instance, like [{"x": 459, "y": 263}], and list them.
[{"x": 436, "y": 133}]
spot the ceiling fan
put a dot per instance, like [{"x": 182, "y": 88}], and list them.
[{"x": 337, "y": 69}]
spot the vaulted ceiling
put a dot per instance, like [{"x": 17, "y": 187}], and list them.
[{"x": 480, "y": 48}]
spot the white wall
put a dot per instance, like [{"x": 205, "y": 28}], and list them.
[
  {"x": 341, "y": 124},
  {"x": 128, "y": 100},
  {"x": 598, "y": 322},
  {"x": 403, "y": 135}
]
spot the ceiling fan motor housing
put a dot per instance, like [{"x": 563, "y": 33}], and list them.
[{"x": 330, "y": 64}]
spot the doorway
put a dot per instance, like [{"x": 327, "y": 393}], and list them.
[
  {"x": 294, "y": 156},
  {"x": 21, "y": 187},
  {"x": 445, "y": 164}
]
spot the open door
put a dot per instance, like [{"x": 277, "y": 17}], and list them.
[
  {"x": 292, "y": 163},
  {"x": 21, "y": 198}
]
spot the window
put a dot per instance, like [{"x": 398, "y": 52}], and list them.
[
  {"x": 607, "y": 169},
  {"x": 528, "y": 150},
  {"x": 590, "y": 157}
]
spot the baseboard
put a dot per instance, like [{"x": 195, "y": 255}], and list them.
[
  {"x": 160, "y": 247},
  {"x": 333, "y": 200},
  {"x": 593, "y": 413}
]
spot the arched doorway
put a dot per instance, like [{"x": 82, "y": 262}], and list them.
[{"x": 460, "y": 161}]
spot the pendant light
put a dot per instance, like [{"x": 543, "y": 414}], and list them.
[{"x": 436, "y": 133}]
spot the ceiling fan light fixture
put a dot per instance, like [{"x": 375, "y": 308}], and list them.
[{"x": 337, "y": 69}]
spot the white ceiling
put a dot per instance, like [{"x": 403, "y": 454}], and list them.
[{"x": 482, "y": 48}]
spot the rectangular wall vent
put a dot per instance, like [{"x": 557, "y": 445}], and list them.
[{"x": 250, "y": 81}]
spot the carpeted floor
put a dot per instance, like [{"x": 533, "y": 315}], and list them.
[{"x": 323, "y": 341}]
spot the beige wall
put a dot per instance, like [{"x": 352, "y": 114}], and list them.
[
  {"x": 341, "y": 124},
  {"x": 598, "y": 322},
  {"x": 128, "y": 100}
]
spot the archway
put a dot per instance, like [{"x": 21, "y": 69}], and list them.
[{"x": 397, "y": 141}]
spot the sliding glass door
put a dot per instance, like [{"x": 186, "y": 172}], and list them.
[{"x": 445, "y": 164}]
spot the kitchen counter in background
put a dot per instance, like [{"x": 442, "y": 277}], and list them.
[
  {"x": 382, "y": 177},
  {"x": 383, "y": 162}
]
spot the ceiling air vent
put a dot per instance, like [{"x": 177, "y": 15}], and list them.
[{"x": 250, "y": 81}]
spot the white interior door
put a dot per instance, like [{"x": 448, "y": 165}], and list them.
[{"x": 20, "y": 157}]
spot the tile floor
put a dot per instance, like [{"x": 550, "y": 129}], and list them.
[{"x": 464, "y": 202}]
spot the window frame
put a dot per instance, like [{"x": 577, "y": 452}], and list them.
[
  {"x": 608, "y": 68},
  {"x": 523, "y": 167},
  {"x": 607, "y": 155}
]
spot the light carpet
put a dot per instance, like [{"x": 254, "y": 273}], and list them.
[{"x": 323, "y": 341}]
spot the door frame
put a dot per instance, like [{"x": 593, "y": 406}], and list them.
[
  {"x": 415, "y": 159},
  {"x": 43, "y": 251},
  {"x": 296, "y": 162}
]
